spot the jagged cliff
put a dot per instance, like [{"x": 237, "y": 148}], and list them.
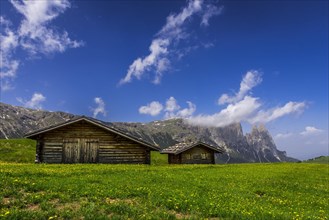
[{"x": 258, "y": 146}]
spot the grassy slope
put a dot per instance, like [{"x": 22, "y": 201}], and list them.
[
  {"x": 321, "y": 159},
  {"x": 17, "y": 150},
  {"x": 240, "y": 191}
]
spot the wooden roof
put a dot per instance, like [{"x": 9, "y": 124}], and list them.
[
  {"x": 181, "y": 147},
  {"x": 34, "y": 134}
]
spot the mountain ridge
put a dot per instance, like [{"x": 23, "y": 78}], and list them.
[{"x": 256, "y": 146}]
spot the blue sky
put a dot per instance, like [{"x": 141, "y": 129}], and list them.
[{"x": 211, "y": 62}]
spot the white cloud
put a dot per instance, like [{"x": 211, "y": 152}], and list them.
[
  {"x": 265, "y": 116},
  {"x": 171, "y": 109},
  {"x": 165, "y": 45},
  {"x": 4, "y": 21},
  {"x": 283, "y": 135},
  {"x": 250, "y": 80},
  {"x": 154, "y": 108},
  {"x": 162, "y": 66},
  {"x": 309, "y": 130},
  {"x": 243, "y": 107},
  {"x": 8, "y": 66},
  {"x": 34, "y": 102},
  {"x": 155, "y": 59},
  {"x": 34, "y": 35},
  {"x": 233, "y": 113},
  {"x": 38, "y": 12},
  {"x": 208, "y": 45},
  {"x": 100, "y": 109},
  {"x": 171, "y": 105},
  {"x": 187, "y": 112},
  {"x": 175, "y": 22},
  {"x": 6, "y": 85},
  {"x": 210, "y": 12},
  {"x": 8, "y": 38}
]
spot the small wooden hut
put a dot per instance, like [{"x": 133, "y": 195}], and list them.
[
  {"x": 86, "y": 140},
  {"x": 192, "y": 153}
]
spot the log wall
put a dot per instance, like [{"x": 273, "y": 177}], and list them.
[
  {"x": 83, "y": 142},
  {"x": 195, "y": 155}
]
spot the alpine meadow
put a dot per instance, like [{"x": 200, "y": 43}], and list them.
[{"x": 159, "y": 190}]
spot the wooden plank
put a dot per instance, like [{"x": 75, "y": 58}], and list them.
[
  {"x": 122, "y": 155},
  {"x": 52, "y": 148},
  {"x": 129, "y": 151},
  {"x": 122, "y": 147},
  {"x": 52, "y": 151},
  {"x": 84, "y": 143},
  {"x": 53, "y": 143}
]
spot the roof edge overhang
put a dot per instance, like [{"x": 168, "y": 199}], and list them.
[{"x": 191, "y": 146}]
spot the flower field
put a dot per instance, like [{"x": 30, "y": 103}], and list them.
[{"x": 99, "y": 191}]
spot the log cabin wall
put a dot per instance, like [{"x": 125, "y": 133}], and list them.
[
  {"x": 198, "y": 155},
  {"x": 174, "y": 159},
  {"x": 83, "y": 142}
]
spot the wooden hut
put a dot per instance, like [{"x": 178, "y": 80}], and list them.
[
  {"x": 192, "y": 153},
  {"x": 86, "y": 140}
]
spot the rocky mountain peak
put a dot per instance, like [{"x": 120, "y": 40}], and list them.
[
  {"x": 259, "y": 129},
  {"x": 16, "y": 121}
]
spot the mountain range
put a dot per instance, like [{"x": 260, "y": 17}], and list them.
[{"x": 256, "y": 146}]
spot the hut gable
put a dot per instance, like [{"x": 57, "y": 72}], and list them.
[
  {"x": 84, "y": 140},
  {"x": 192, "y": 153}
]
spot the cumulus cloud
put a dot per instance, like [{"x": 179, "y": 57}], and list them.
[
  {"x": 243, "y": 107},
  {"x": 154, "y": 108},
  {"x": 186, "y": 112},
  {"x": 100, "y": 108},
  {"x": 34, "y": 102},
  {"x": 34, "y": 35},
  {"x": 249, "y": 81},
  {"x": 309, "y": 130},
  {"x": 171, "y": 109},
  {"x": 165, "y": 45},
  {"x": 233, "y": 113},
  {"x": 171, "y": 105}
]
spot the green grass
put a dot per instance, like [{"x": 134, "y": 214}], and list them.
[
  {"x": 158, "y": 159},
  {"x": 321, "y": 159},
  {"x": 17, "y": 150},
  {"x": 159, "y": 191},
  {"x": 100, "y": 191}
]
